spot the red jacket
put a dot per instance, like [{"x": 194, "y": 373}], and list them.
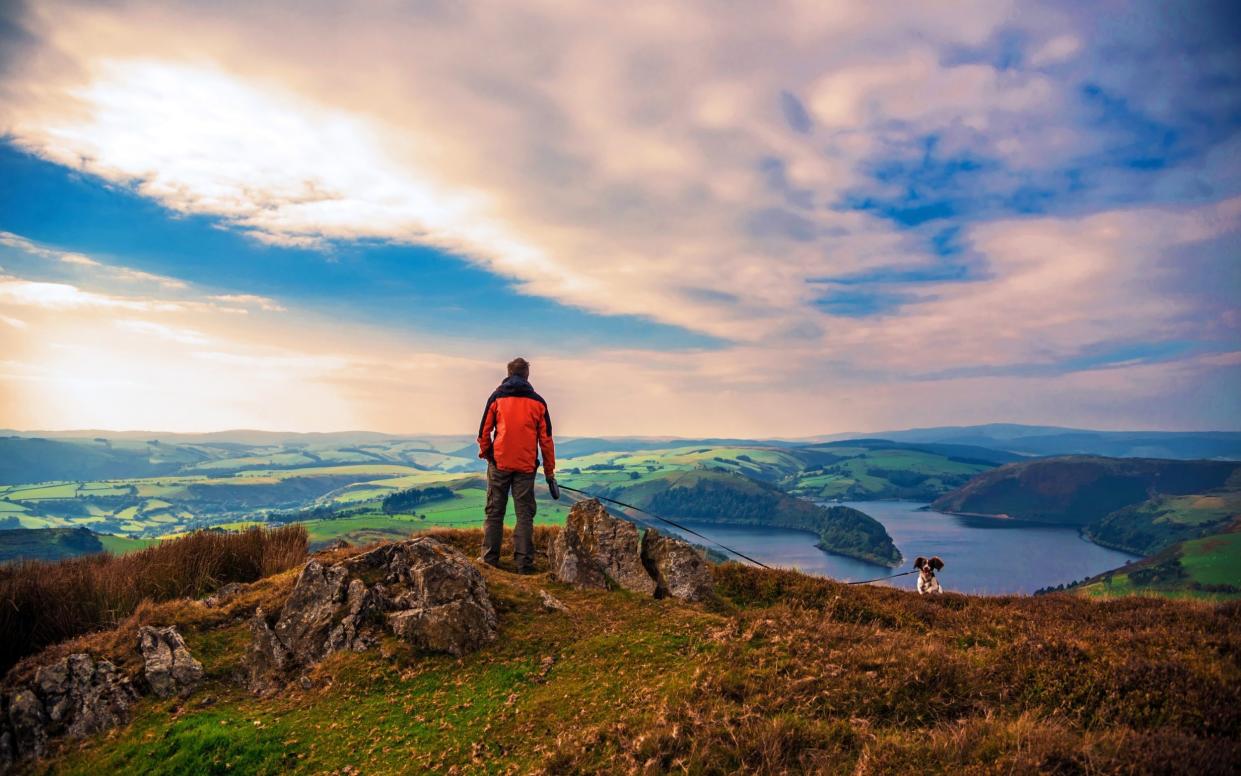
[{"x": 516, "y": 426}]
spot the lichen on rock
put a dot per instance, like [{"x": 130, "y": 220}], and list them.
[
  {"x": 169, "y": 667},
  {"x": 421, "y": 590},
  {"x": 596, "y": 550},
  {"x": 679, "y": 570}
]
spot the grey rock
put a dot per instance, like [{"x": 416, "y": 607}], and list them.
[
  {"x": 170, "y": 669},
  {"x": 268, "y": 660},
  {"x": 29, "y": 724},
  {"x": 312, "y": 610},
  {"x": 223, "y": 594},
  {"x": 421, "y": 590},
  {"x": 679, "y": 570},
  {"x": 361, "y": 609},
  {"x": 83, "y": 696},
  {"x": 7, "y": 753},
  {"x": 596, "y": 550},
  {"x": 551, "y": 603},
  {"x": 436, "y": 599},
  {"x": 76, "y": 697}
]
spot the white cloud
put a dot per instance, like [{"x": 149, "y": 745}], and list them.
[
  {"x": 620, "y": 160},
  {"x": 125, "y": 273},
  {"x": 1055, "y": 51},
  {"x": 251, "y": 300},
  {"x": 28, "y": 246},
  {"x": 162, "y": 331},
  {"x": 64, "y": 296},
  {"x": 615, "y": 170},
  {"x": 76, "y": 259}
]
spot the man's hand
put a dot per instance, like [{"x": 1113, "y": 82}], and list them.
[{"x": 552, "y": 486}]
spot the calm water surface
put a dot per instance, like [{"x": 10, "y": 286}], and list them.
[{"x": 980, "y": 555}]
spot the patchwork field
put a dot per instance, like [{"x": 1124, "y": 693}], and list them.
[{"x": 1206, "y": 569}]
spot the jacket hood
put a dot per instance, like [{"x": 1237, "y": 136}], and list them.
[{"x": 515, "y": 385}]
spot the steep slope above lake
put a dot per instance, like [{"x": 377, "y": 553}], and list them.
[
  {"x": 1207, "y": 568},
  {"x": 720, "y": 497},
  {"x": 1140, "y": 505}
]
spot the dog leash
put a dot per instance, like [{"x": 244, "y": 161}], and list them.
[
  {"x": 880, "y": 579},
  {"x": 669, "y": 522},
  {"x": 707, "y": 538}
]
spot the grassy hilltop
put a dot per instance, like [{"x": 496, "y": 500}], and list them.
[{"x": 788, "y": 674}]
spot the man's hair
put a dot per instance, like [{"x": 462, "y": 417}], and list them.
[{"x": 519, "y": 367}]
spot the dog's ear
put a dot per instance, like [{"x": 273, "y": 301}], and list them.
[
  {"x": 935, "y": 563},
  {"x": 919, "y": 562}
]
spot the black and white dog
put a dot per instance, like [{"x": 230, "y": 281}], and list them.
[{"x": 927, "y": 583}]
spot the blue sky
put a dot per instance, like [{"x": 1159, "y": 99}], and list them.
[
  {"x": 376, "y": 281},
  {"x": 761, "y": 221}
]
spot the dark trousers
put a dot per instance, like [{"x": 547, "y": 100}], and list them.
[{"x": 499, "y": 483}]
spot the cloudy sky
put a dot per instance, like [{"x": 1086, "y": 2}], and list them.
[{"x": 694, "y": 218}]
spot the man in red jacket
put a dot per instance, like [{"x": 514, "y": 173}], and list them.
[{"x": 516, "y": 426}]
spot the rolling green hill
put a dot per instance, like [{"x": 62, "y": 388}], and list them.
[
  {"x": 861, "y": 470},
  {"x": 153, "y": 488},
  {"x": 857, "y": 470},
  {"x": 1053, "y": 440},
  {"x": 40, "y": 460},
  {"x": 58, "y": 543},
  {"x": 1207, "y": 568},
  {"x": 1135, "y": 504}
]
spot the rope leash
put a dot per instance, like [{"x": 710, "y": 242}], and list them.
[
  {"x": 880, "y": 579},
  {"x": 669, "y": 522}
]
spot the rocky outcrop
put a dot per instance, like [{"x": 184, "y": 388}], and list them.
[
  {"x": 421, "y": 590},
  {"x": 433, "y": 596},
  {"x": 596, "y": 550},
  {"x": 76, "y": 696},
  {"x": 679, "y": 570},
  {"x": 267, "y": 660},
  {"x": 327, "y": 612},
  {"x": 223, "y": 594},
  {"x": 169, "y": 667}
]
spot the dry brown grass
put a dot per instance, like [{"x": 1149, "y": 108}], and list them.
[
  {"x": 43, "y": 603},
  {"x": 469, "y": 541},
  {"x": 812, "y": 675}
]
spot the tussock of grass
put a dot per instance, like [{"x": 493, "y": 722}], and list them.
[
  {"x": 800, "y": 675},
  {"x": 43, "y": 603},
  {"x": 816, "y": 675}
]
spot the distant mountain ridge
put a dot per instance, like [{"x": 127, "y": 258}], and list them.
[
  {"x": 1017, "y": 438},
  {"x": 1055, "y": 440}
]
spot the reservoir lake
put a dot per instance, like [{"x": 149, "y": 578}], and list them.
[{"x": 981, "y": 555}]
